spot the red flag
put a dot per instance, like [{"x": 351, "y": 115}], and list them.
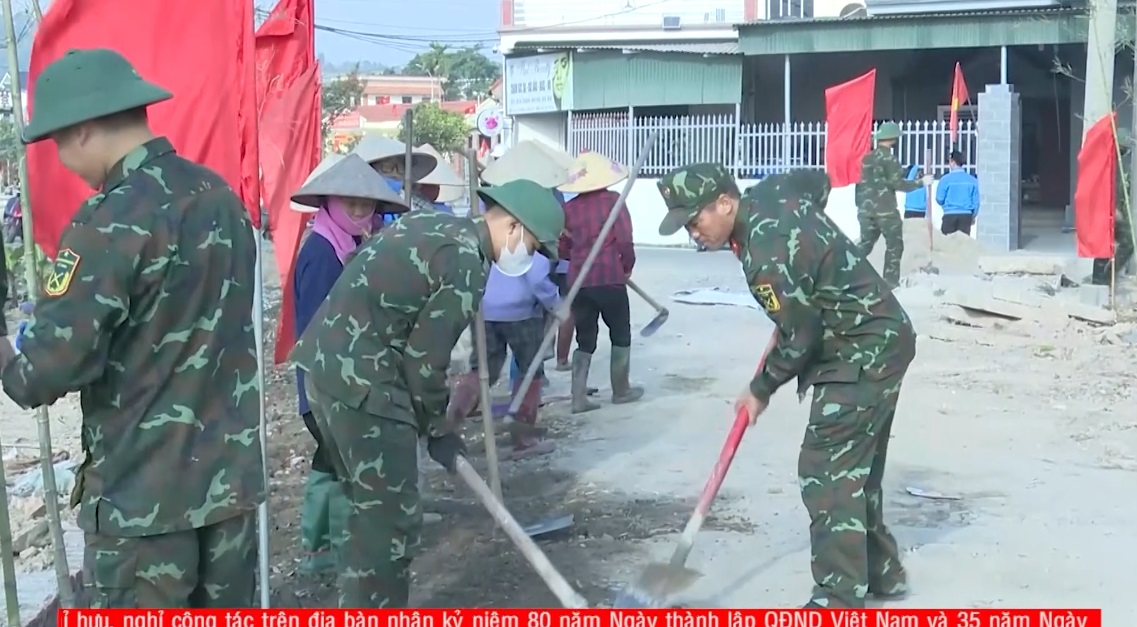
[
  {"x": 958, "y": 97},
  {"x": 203, "y": 54},
  {"x": 1095, "y": 191},
  {"x": 285, "y": 48},
  {"x": 848, "y": 128},
  {"x": 291, "y": 142}
]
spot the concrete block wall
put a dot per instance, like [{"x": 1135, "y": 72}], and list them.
[{"x": 999, "y": 168}]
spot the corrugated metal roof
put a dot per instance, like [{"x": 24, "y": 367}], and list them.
[
  {"x": 805, "y": 23},
  {"x": 721, "y": 47}
]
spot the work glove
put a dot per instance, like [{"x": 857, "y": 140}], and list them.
[
  {"x": 927, "y": 180},
  {"x": 445, "y": 450}
]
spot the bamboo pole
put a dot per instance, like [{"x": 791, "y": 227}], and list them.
[
  {"x": 483, "y": 359},
  {"x": 51, "y": 491}
]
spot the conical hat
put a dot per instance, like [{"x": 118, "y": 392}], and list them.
[
  {"x": 376, "y": 148},
  {"x": 593, "y": 171},
  {"x": 442, "y": 174},
  {"x": 353, "y": 178},
  {"x": 563, "y": 158},
  {"x": 530, "y": 161},
  {"x": 330, "y": 160}
]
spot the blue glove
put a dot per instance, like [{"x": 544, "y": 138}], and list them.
[{"x": 20, "y": 335}]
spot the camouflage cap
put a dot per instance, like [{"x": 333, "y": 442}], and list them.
[
  {"x": 688, "y": 189},
  {"x": 811, "y": 187},
  {"x": 887, "y": 131}
]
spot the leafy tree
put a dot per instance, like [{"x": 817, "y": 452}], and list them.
[
  {"x": 466, "y": 72},
  {"x": 446, "y": 130},
  {"x": 9, "y": 141},
  {"x": 340, "y": 95}
]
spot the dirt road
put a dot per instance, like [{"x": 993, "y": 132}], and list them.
[{"x": 1028, "y": 426}]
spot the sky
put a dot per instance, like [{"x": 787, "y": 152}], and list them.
[{"x": 394, "y": 30}]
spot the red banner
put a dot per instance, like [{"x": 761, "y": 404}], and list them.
[
  {"x": 958, "y": 97},
  {"x": 537, "y": 617},
  {"x": 201, "y": 53},
  {"x": 1095, "y": 192},
  {"x": 285, "y": 48},
  {"x": 848, "y": 130},
  {"x": 290, "y": 150}
]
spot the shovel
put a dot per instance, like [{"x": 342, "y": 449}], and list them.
[
  {"x": 658, "y": 582},
  {"x": 930, "y": 267},
  {"x": 661, "y": 311},
  {"x": 564, "y": 592}
]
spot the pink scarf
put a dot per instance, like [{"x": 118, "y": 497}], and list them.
[{"x": 336, "y": 226}]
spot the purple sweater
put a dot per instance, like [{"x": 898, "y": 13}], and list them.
[{"x": 511, "y": 299}]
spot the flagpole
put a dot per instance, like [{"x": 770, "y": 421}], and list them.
[
  {"x": 262, "y": 422},
  {"x": 47, "y": 466}
]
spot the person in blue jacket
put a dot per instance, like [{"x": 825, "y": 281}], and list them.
[
  {"x": 958, "y": 194},
  {"x": 345, "y": 199},
  {"x": 915, "y": 201}
]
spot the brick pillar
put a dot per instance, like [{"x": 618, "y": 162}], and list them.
[{"x": 999, "y": 168}]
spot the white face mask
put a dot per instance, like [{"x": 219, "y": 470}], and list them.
[{"x": 516, "y": 260}]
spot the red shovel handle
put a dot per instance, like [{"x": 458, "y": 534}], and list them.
[{"x": 737, "y": 430}]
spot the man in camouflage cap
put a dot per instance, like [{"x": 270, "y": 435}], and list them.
[
  {"x": 1122, "y": 230},
  {"x": 839, "y": 330},
  {"x": 148, "y": 312},
  {"x": 375, "y": 366},
  {"x": 881, "y": 178}
]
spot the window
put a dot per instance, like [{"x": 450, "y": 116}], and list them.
[
  {"x": 407, "y": 100},
  {"x": 426, "y": 99}
]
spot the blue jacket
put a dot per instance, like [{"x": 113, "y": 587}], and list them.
[
  {"x": 917, "y": 199},
  {"x": 958, "y": 193},
  {"x": 317, "y": 268}
]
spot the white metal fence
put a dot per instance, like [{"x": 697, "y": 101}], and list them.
[{"x": 750, "y": 150}]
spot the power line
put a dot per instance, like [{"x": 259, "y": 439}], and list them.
[{"x": 410, "y": 43}]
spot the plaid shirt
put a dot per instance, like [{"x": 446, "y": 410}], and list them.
[{"x": 584, "y": 217}]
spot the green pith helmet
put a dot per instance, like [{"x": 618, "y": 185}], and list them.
[
  {"x": 887, "y": 131},
  {"x": 535, "y": 208},
  {"x": 85, "y": 85}
]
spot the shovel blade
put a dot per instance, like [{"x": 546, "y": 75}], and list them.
[
  {"x": 656, "y": 585},
  {"x": 548, "y": 526},
  {"x": 654, "y": 325}
]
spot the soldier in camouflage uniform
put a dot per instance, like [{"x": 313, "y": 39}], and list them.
[
  {"x": 881, "y": 178},
  {"x": 376, "y": 358},
  {"x": 148, "y": 312},
  {"x": 1122, "y": 231},
  {"x": 839, "y": 330}
]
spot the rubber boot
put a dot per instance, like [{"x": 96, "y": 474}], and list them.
[
  {"x": 564, "y": 344},
  {"x": 463, "y": 398},
  {"x": 622, "y": 390},
  {"x": 315, "y": 531},
  {"x": 525, "y": 436},
  {"x": 581, "y": 361},
  {"x": 339, "y": 509}
]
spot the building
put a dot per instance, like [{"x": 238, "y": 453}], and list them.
[
  {"x": 381, "y": 89},
  {"x": 6, "y": 93},
  {"x": 386, "y": 118},
  {"x": 752, "y": 96}
]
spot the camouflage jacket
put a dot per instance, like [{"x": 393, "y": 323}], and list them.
[
  {"x": 381, "y": 342},
  {"x": 836, "y": 318},
  {"x": 148, "y": 313},
  {"x": 881, "y": 178}
]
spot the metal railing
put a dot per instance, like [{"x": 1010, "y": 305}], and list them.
[{"x": 750, "y": 150}]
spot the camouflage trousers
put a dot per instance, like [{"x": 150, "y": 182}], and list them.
[
  {"x": 875, "y": 223},
  {"x": 840, "y": 470},
  {"x": 376, "y": 460},
  {"x": 208, "y": 567}
]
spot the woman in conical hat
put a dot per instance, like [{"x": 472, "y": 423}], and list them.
[
  {"x": 442, "y": 185},
  {"x": 345, "y": 193},
  {"x": 604, "y": 292}
]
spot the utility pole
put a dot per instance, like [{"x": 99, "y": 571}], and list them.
[
  {"x": 1132, "y": 200},
  {"x": 1098, "y": 84}
]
